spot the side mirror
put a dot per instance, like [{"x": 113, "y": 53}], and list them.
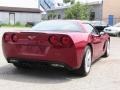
[{"x": 102, "y": 33}]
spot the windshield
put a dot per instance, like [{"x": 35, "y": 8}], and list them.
[{"x": 57, "y": 26}]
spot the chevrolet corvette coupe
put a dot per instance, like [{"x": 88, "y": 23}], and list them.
[{"x": 73, "y": 44}]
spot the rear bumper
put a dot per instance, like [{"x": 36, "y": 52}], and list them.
[{"x": 69, "y": 57}]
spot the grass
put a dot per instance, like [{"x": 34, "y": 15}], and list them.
[{"x": 15, "y": 25}]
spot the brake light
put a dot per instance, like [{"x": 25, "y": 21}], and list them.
[
  {"x": 60, "y": 42},
  {"x": 7, "y": 37},
  {"x": 53, "y": 40},
  {"x": 66, "y": 41},
  {"x": 14, "y": 37}
]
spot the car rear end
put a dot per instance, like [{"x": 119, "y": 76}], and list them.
[{"x": 40, "y": 47}]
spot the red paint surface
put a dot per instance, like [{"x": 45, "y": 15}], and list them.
[{"x": 36, "y": 46}]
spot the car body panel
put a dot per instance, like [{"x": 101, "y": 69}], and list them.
[{"x": 35, "y": 46}]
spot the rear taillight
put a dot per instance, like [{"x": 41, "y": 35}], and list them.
[
  {"x": 14, "y": 38},
  {"x": 66, "y": 41},
  {"x": 53, "y": 40},
  {"x": 7, "y": 37},
  {"x": 63, "y": 41}
]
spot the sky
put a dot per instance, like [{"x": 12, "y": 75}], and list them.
[{"x": 20, "y": 3}]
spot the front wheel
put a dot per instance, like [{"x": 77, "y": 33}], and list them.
[{"x": 86, "y": 64}]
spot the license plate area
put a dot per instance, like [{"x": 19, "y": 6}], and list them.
[{"x": 31, "y": 49}]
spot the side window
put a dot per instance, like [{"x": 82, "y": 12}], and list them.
[{"x": 90, "y": 29}]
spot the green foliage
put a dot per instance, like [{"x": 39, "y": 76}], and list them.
[
  {"x": 18, "y": 24},
  {"x": 77, "y": 11},
  {"x": 72, "y": 1},
  {"x": 67, "y": 1},
  {"x": 51, "y": 15}
]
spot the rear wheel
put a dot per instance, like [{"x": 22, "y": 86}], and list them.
[
  {"x": 107, "y": 51},
  {"x": 86, "y": 64},
  {"x": 118, "y": 35}
]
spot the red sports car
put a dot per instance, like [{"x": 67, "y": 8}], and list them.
[{"x": 73, "y": 44}]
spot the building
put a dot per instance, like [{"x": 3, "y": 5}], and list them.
[
  {"x": 95, "y": 10},
  {"x": 56, "y": 13},
  {"x": 21, "y": 11},
  {"x": 111, "y": 11},
  {"x": 50, "y": 4},
  {"x": 12, "y": 15},
  {"x": 46, "y": 4}
]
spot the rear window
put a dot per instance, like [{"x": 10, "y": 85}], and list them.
[
  {"x": 88, "y": 27},
  {"x": 57, "y": 26}
]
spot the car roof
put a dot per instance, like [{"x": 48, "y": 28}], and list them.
[
  {"x": 66, "y": 20},
  {"x": 74, "y": 21}
]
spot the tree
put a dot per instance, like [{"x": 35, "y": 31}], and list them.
[
  {"x": 67, "y": 1},
  {"x": 51, "y": 15},
  {"x": 72, "y": 1},
  {"x": 77, "y": 11}
]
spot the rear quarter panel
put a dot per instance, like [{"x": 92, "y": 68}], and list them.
[{"x": 81, "y": 40}]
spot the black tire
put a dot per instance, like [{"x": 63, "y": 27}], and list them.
[
  {"x": 118, "y": 34},
  {"x": 82, "y": 70},
  {"x": 21, "y": 65},
  {"x": 107, "y": 52}
]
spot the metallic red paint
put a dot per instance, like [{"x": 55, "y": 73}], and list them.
[{"x": 38, "y": 46}]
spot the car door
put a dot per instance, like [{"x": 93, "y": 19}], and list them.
[{"x": 97, "y": 41}]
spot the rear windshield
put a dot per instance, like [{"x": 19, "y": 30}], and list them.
[{"x": 57, "y": 26}]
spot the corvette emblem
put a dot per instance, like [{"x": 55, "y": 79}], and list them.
[{"x": 31, "y": 37}]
